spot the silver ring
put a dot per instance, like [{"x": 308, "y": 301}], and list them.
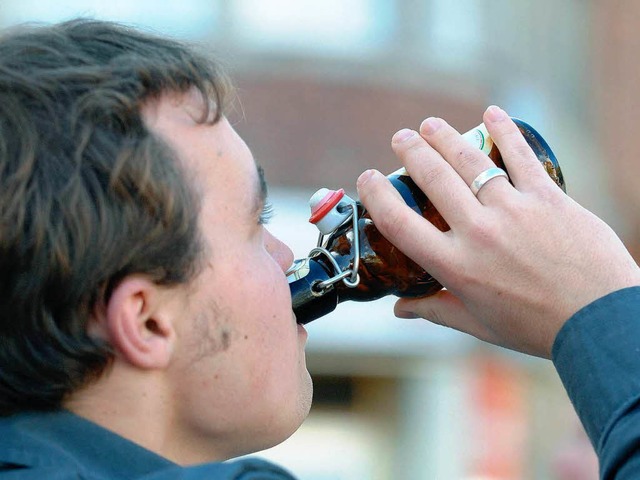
[{"x": 485, "y": 176}]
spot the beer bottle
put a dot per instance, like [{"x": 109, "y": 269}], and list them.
[{"x": 353, "y": 261}]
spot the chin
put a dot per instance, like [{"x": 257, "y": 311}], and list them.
[
  {"x": 300, "y": 411},
  {"x": 283, "y": 423}
]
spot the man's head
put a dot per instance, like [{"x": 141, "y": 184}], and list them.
[
  {"x": 87, "y": 194},
  {"x": 130, "y": 235},
  {"x": 238, "y": 374}
]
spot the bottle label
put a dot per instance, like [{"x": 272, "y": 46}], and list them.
[
  {"x": 400, "y": 171},
  {"x": 478, "y": 137}
]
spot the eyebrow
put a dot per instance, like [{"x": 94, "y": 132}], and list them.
[{"x": 261, "y": 191}]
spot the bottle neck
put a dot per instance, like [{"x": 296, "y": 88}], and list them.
[{"x": 309, "y": 303}]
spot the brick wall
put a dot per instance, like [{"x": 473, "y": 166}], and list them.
[
  {"x": 312, "y": 133},
  {"x": 617, "y": 83}
]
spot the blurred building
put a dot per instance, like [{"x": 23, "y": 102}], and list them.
[{"x": 322, "y": 88}]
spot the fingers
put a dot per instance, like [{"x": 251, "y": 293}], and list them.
[
  {"x": 524, "y": 168},
  {"x": 465, "y": 158},
  {"x": 406, "y": 229},
  {"x": 447, "y": 310},
  {"x": 435, "y": 177}
]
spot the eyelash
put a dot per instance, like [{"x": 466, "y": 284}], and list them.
[{"x": 267, "y": 214}]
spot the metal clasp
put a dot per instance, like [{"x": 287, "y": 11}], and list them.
[{"x": 349, "y": 277}]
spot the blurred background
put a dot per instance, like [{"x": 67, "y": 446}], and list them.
[{"x": 323, "y": 85}]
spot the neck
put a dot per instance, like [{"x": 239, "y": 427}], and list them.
[
  {"x": 139, "y": 406},
  {"x": 130, "y": 402}
]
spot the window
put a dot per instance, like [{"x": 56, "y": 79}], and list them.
[
  {"x": 455, "y": 33},
  {"x": 183, "y": 18},
  {"x": 335, "y": 27}
]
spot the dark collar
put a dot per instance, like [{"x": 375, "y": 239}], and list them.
[{"x": 63, "y": 439}]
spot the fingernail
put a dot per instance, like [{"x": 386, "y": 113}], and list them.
[
  {"x": 496, "y": 114},
  {"x": 365, "y": 177},
  {"x": 403, "y": 135},
  {"x": 430, "y": 125},
  {"x": 405, "y": 314}
]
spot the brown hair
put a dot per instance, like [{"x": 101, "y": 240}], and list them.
[{"x": 87, "y": 194}]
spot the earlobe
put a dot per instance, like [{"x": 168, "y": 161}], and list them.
[{"x": 138, "y": 326}]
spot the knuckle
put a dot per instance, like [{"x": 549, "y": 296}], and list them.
[
  {"x": 434, "y": 317},
  {"x": 518, "y": 206},
  {"x": 464, "y": 278},
  {"x": 428, "y": 177},
  {"x": 393, "y": 224},
  {"x": 507, "y": 131},
  {"x": 551, "y": 197},
  {"x": 467, "y": 160},
  {"x": 523, "y": 150},
  {"x": 514, "y": 144},
  {"x": 417, "y": 148},
  {"x": 408, "y": 145},
  {"x": 484, "y": 231}
]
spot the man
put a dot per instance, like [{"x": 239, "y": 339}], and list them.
[{"x": 146, "y": 320}]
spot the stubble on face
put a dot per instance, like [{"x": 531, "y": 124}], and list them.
[{"x": 211, "y": 333}]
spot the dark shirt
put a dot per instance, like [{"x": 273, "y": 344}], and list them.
[
  {"x": 63, "y": 446},
  {"x": 597, "y": 355}
]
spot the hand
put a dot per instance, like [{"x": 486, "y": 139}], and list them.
[{"x": 519, "y": 259}]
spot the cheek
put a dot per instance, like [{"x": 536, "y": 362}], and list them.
[
  {"x": 270, "y": 333},
  {"x": 266, "y": 287},
  {"x": 257, "y": 307}
]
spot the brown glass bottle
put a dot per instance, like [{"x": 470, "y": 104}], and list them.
[{"x": 383, "y": 269}]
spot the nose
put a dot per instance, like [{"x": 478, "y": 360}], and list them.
[{"x": 280, "y": 252}]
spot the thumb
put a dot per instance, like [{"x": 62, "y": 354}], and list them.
[{"x": 444, "y": 308}]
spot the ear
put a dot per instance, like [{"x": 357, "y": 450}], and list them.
[{"x": 138, "y": 323}]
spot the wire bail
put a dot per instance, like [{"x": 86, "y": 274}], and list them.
[{"x": 349, "y": 277}]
